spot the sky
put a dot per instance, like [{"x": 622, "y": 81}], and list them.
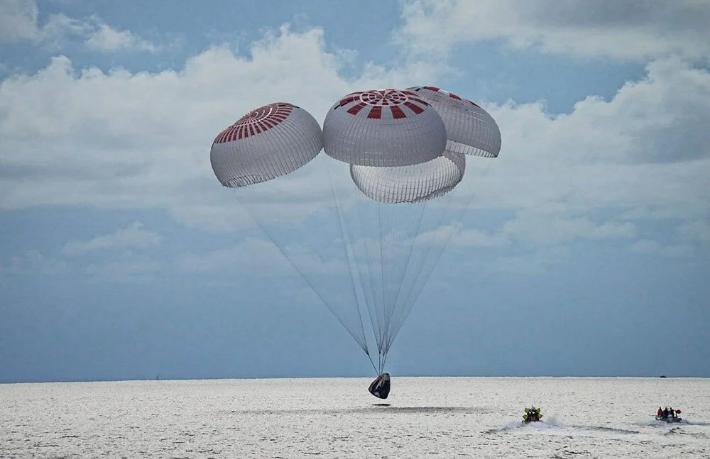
[{"x": 585, "y": 250}]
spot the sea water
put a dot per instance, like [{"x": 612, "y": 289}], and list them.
[{"x": 446, "y": 417}]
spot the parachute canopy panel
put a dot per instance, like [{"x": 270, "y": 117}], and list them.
[
  {"x": 383, "y": 128},
  {"x": 415, "y": 183},
  {"x": 266, "y": 143},
  {"x": 469, "y": 128}
]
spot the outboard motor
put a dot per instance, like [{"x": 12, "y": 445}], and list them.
[{"x": 380, "y": 387}]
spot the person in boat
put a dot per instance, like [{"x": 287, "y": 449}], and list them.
[
  {"x": 536, "y": 415},
  {"x": 659, "y": 413},
  {"x": 671, "y": 411},
  {"x": 665, "y": 413},
  {"x": 532, "y": 414}
]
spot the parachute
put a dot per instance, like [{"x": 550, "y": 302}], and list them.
[
  {"x": 266, "y": 143},
  {"x": 366, "y": 223},
  {"x": 383, "y": 128},
  {"x": 469, "y": 128},
  {"x": 414, "y": 183}
]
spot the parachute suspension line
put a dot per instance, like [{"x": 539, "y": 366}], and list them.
[
  {"x": 412, "y": 280},
  {"x": 358, "y": 246},
  {"x": 447, "y": 239},
  {"x": 369, "y": 357},
  {"x": 348, "y": 255},
  {"x": 420, "y": 282},
  {"x": 400, "y": 283},
  {"x": 344, "y": 239},
  {"x": 419, "y": 286},
  {"x": 380, "y": 344},
  {"x": 417, "y": 282},
  {"x": 375, "y": 322},
  {"x": 392, "y": 240},
  {"x": 347, "y": 248},
  {"x": 371, "y": 289},
  {"x": 396, "y": 258},
  {"x": 362, "y": 344},
  {"x": 419, "y": 268}
]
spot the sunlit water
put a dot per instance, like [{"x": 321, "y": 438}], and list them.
[{"x": 447, "y": 417}]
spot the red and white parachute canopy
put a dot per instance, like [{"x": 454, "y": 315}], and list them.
[
  {"x": 469, "y": 128},
  {"x": 266, "y": 143},
  {"x": 383, "y": 128}
]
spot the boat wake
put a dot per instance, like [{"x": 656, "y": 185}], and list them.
[
  {"x": 548, "y": 424},
  {"x": 551, "y": 424},
  {"x": 607, "y": 429},
  {"x": 697, "y": 423}
]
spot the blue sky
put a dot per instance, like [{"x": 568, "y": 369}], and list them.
[{"x": 122, "y": 257}]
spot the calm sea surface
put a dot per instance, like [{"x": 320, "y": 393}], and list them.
[{"x": 445, "y": 417}]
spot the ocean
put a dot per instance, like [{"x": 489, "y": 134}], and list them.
[{"x": 337, "y": 417}]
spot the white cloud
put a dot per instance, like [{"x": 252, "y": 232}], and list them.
[
  {"x": 651, "y": 247},
  {"x": 698, "y": 230},
  {"x": 455, "y": 236},
  {"x": 124, "y": 270},
  {"x": 19, "y": 22},
  {"x": 146, "y": 144},
  {"x": 133, "y": 236},
  {"x": 33, "y": 262},
  {"x": 59, "y": 28},
  {"x": 541, "y": 229},
  {"x": 633, "y": 29},
  {"x": 124, "y": 266},
  {"x": 641, "y": 151},
  {"x": 256, "y": 254},
  {"x": 476, "y": 238},
  {"x": 532, "y": 263},
  {"x": 106, "y": 38}
]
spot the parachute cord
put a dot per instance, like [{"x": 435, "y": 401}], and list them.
[
  {"x": 344, "y": 239},
  {"x": 303, "y": 276},
  {"x": 427, "y": 276},
  {"x": 402, "y": 302},
  {"x": 371, "y": 287},
  {"x": 406, "y": 269},
  {"x": 366, "y": 272},
  {"x": 419, "y": 281},
  {"x": 382, "y": 277},
  {"x": 367, "y": 353},
  {"x": 388, "y": 260}
]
